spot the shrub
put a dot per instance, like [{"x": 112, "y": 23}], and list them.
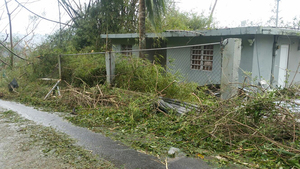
[{"x": 140, "y": 75}]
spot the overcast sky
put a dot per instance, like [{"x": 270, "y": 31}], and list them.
[{"x": 228, "y": 13}]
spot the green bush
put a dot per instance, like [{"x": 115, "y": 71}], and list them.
[
  {"x": 89, "y": 69},
  {"x": 140, "y": 75}
]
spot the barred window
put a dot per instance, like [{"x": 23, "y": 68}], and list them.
[
  {"x": 202, "y": 57},
  {"x": 125, "y": 48}
]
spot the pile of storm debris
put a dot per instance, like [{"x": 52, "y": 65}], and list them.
[{"x": 166, "y": 105}]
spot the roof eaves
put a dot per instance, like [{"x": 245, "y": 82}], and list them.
[
  {"x": 182, "y": 33},
  {"x": 167, "y": 34},
  {"x": 116, "y": 36},
  {"x": 279, "y": 31},
  {"x": 230, "y": 31},
  {"x": 250, "y": 30},
  {"x": 212, "y": 32}
]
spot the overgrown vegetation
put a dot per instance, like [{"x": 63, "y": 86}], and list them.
[
  {"x": 140, "y": 75},
  {"x": 264, "y": 133},
  {"x": 256, "y": 125},
  {"x": 254, "y": 129}
]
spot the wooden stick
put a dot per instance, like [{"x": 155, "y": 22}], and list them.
[
  {"x": 266, "y": 138},
  {"x": 48, "y": 79},
  {"x": 167, "y": 86},
  {"x": 58, "y": 91},
  {"x": 99, "y": 90},
  {"x": 197, "y": 98},
  {"x": 52, "y": 89}
]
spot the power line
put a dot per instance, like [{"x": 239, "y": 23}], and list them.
[{"x": 41, "y": 16}]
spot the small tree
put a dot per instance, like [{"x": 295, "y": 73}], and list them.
[{"x": 154, "y": 9}]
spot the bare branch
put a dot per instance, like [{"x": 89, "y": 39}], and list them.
[
  {"x": 5, "y": 37},
  {"x": 28, "y": 33},
  {"x": 40, "y": 15},
  {"x": 4, "y": 62},
  {"x": 12, "y": 52}
]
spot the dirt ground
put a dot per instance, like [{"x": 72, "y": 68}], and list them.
[
  {"x": 18, "y": 148},
  {"x": 15, "y": 154}
]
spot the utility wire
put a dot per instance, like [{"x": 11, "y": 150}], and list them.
[
  {"x": 12, "y": 52},
  {"x": 143, "y": 50},
  {"x": 41, "y": 16}
]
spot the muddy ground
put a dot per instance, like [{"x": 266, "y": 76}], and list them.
[{"x": 24, "y": 144}]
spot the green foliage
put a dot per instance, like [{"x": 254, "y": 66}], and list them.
[
  {"x": 154, "y": 9},
  {"x": 228, "y": 128},
  {"x": 176, "y": 20},
  {"x": 140, "y": 75},
  {"x": 260, "y": 107},
  {"x": 100, "y": 17},
  {"x": 89, "y": 69}
]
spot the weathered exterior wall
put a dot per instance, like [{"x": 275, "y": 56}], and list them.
[
  {"x": 179, "y": 60},
  {"x": 230, "y": 66},
  {"x": 245, "y": 68},
  {"x": 262, "y": 58},
  {"x": 256, "y": 59},
  {"x": 293, "y": 60}
]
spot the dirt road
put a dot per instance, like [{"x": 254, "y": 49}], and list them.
[{"x": 23, "y": 144}]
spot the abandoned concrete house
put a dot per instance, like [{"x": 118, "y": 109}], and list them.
[{"x": 270, "y": 54}]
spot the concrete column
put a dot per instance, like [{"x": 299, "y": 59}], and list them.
[
  {"x": 230, "y": 67},
  {"x": 110, "y": 66}
]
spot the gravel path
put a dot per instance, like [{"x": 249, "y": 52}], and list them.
[
  {"x": 26, "y": 145},
  {"x": 16, "y": 152}
]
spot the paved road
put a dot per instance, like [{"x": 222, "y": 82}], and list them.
[{"x": 113, "y": 151}]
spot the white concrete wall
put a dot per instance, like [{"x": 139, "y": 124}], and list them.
[
  {"x": 262, "y": 58},
  {"x": 230, "y": 66},
  {"x": 256, "y": 59},
  {"x": 245, "y": 68},
  {"x": 178, "y": 60},
  {"x": 293, "y": 60},
  {"x": 183, "y": 64}
]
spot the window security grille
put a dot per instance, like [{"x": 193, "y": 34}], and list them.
[{"x": 202, "y": 57}]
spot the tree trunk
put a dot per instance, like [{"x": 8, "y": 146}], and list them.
[
  {"x": 142, "y": 28},
  {"x": 11, "y": 39}
]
